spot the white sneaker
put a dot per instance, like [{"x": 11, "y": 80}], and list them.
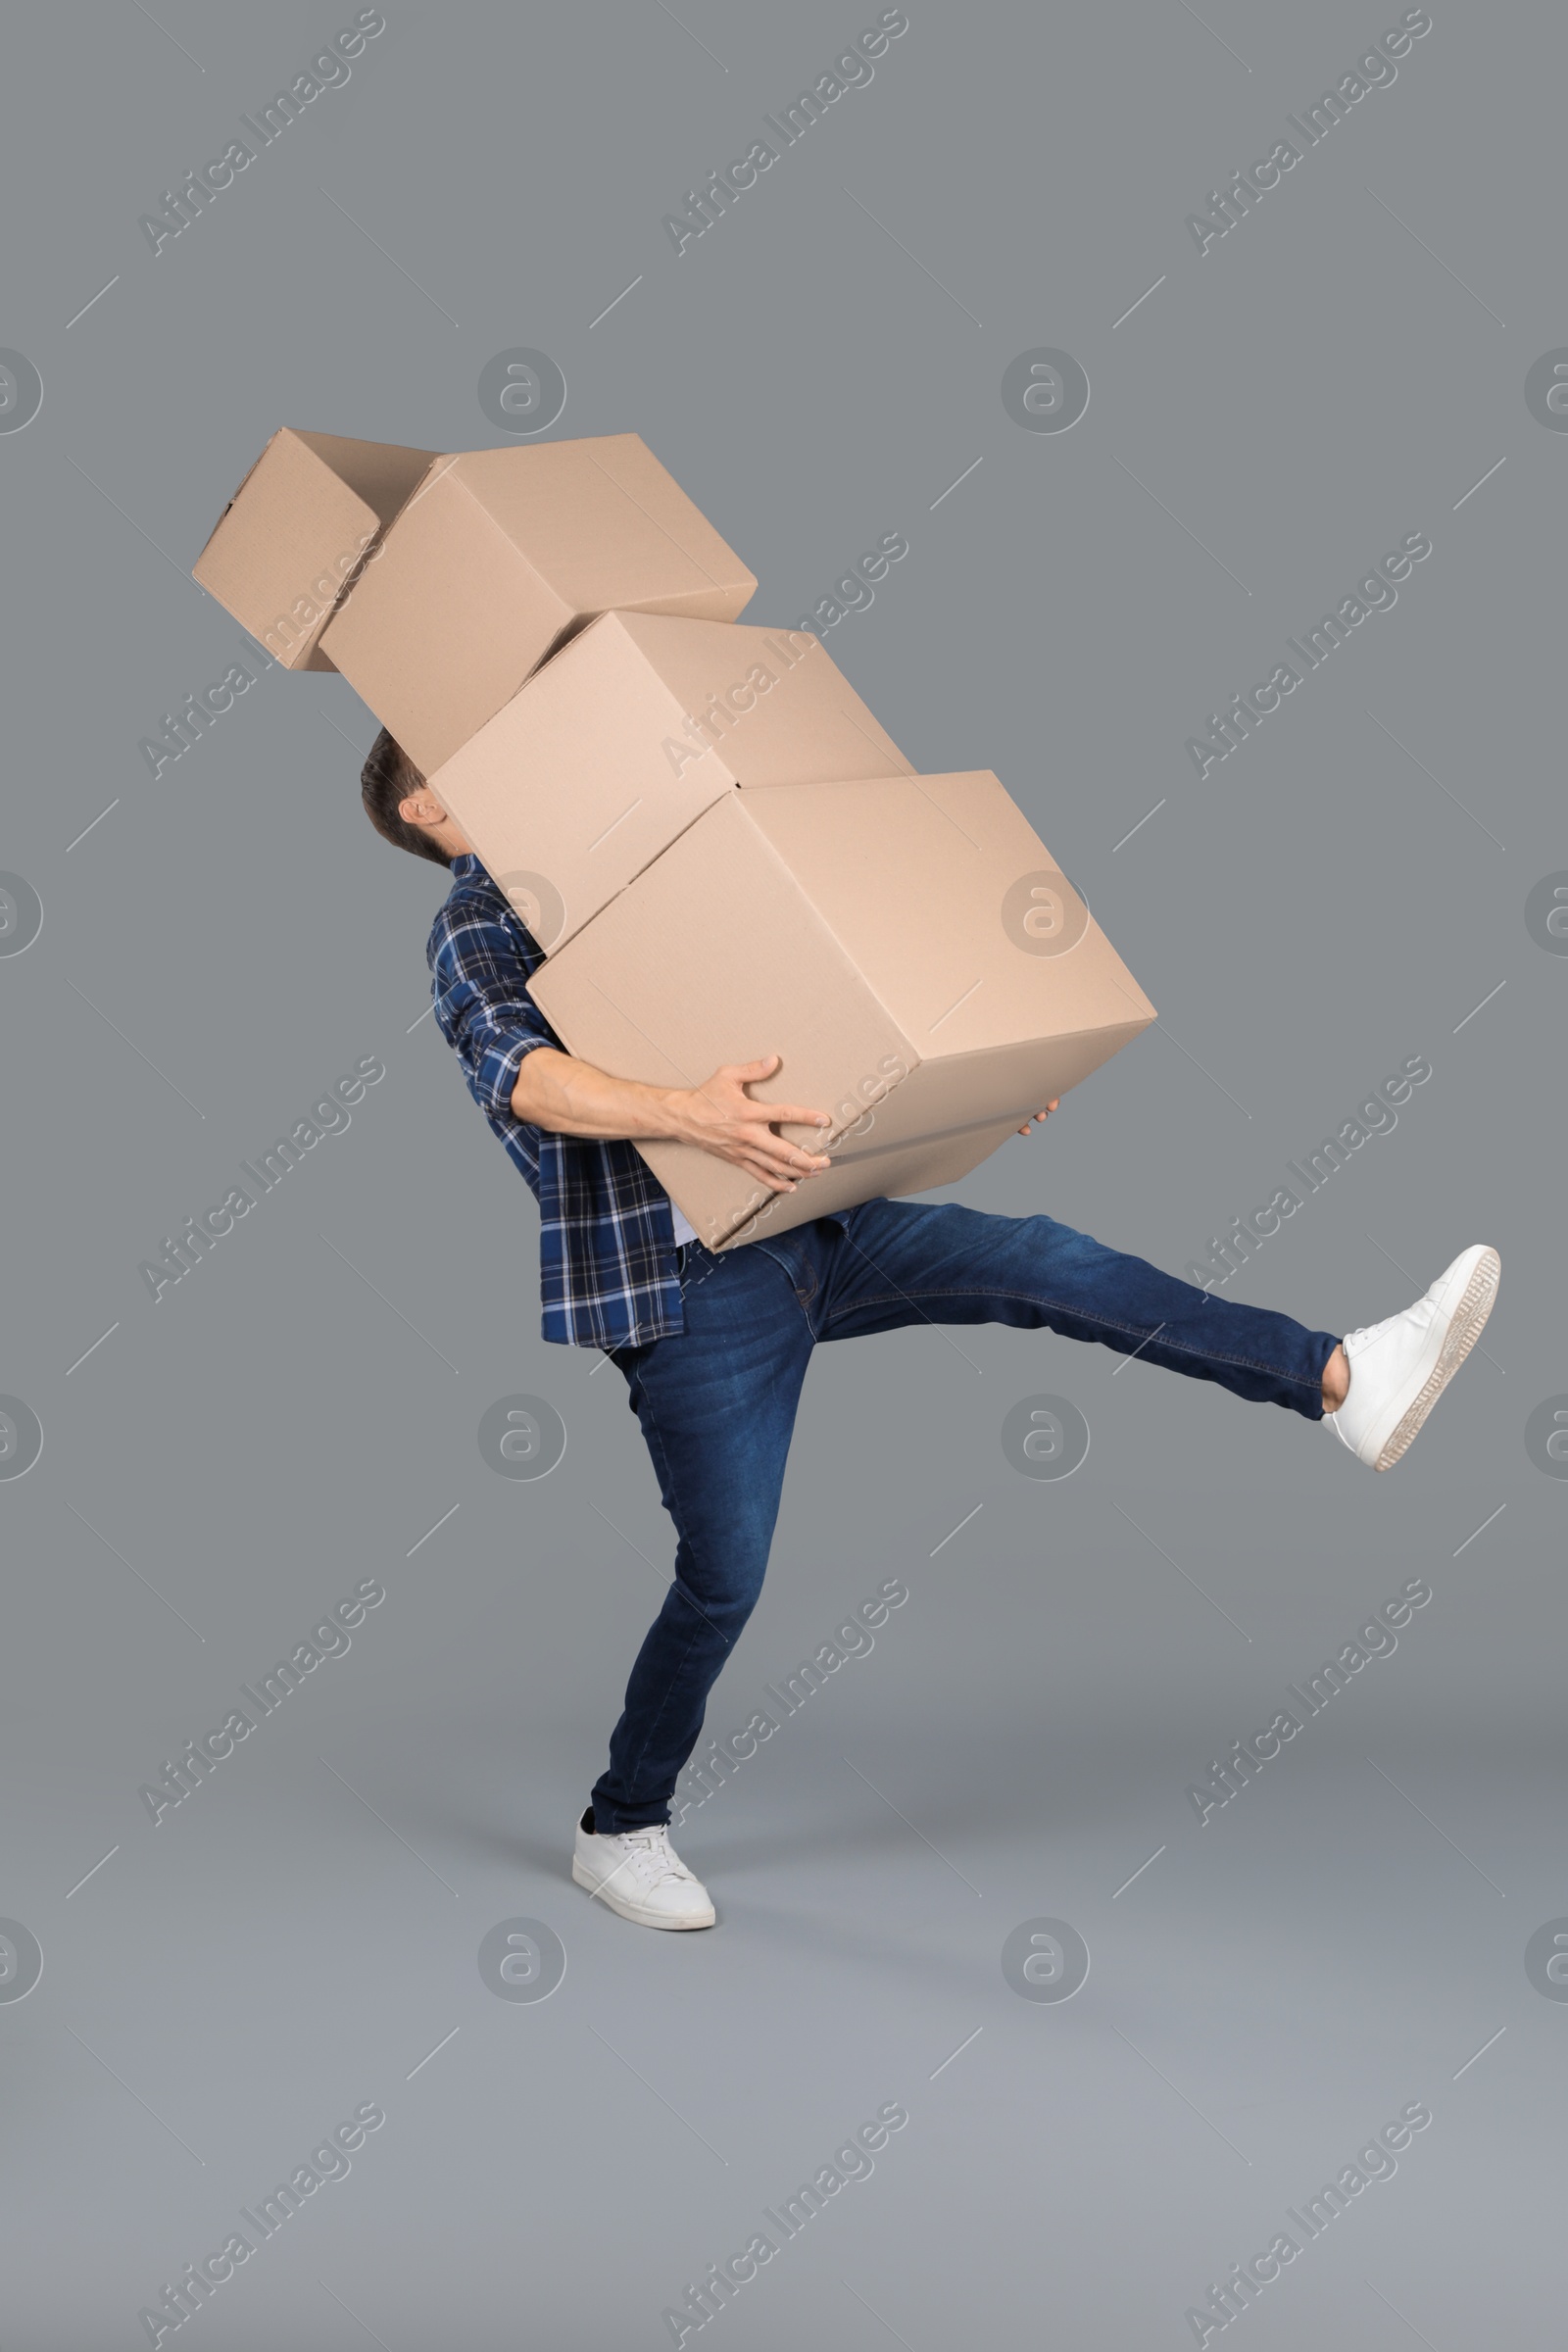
[
  {"x": 640, "y": 1875},
  {"x": 1399, "y": 1369}
]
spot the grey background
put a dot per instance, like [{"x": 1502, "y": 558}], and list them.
[{"x": 302, "y": 1409}]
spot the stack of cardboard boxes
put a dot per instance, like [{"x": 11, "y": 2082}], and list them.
[{"x": 719, "y": 849}]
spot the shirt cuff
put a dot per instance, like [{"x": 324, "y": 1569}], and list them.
[{"x": 497, "y": 1073}]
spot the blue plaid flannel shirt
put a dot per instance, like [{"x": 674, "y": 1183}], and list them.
[{"x": 608, "y": 1270}]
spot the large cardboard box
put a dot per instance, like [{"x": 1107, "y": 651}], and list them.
[
  {"x": 298, "y": 528},
  {"x": 627, "y": 734},
  {"x": 498, "y": 557},
  {"x": 907, "y": 944}
]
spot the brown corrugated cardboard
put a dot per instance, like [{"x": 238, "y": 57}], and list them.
[
  {"x": 627, "y": 734},
  {"x": 501, "y": 555},
  {"x": 295, "y": 531},
  {"x": 907, "y": 944}
]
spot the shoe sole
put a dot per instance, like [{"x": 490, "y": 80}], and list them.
[
  {"x": 1465, "y": 1327},
  {"x": 605, "y": 1893}
]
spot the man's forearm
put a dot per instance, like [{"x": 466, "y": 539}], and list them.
[{"x": 566, "y": 1096}]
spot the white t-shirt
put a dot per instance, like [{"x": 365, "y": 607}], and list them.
[{"x": 684, "y": 1231}]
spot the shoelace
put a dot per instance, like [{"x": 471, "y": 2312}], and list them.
[
  {"x": 655, "y": 1844},
  {"x": 1419, "y": 1315}
]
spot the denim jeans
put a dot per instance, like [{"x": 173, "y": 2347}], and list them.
[{"x": 717, "y": 1403}]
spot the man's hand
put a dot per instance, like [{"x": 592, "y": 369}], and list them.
[
  {"x": 722, "y": 1117},
  {"x": 1028, "y": 1126}
]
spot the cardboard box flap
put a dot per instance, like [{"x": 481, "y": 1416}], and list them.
[{"x": 296, "y": 531}]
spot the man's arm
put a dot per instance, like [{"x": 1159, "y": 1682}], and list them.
[
  {"x": 566, "y": 1096},
  {"x": 513, "y": 1061}
]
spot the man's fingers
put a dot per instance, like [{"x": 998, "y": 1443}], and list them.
[
  {"x": 740, "y": 1074},
  {"x": 781, "y": 1115},
  {"x": 777, "y": 1153},
  {"x": 791, "y": 1114},
  {"x": 800, "y": 1157},
  {"x": 775, "y": 1179},
  {"x": 770, "y": 1152},
  {"x": 757, "y": 1134}
]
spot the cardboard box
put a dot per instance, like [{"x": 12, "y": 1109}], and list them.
[
  {"x": 907, "y": 944},
  {"x": 295, "y": 530},
  {"x": 627, "y": 734},
  {"x": 501, "y": 555}
]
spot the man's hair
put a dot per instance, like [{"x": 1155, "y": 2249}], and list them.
[{"x": 387, "y": 778}]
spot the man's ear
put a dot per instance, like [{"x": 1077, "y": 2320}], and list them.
[{"x": 421, "y": 808}]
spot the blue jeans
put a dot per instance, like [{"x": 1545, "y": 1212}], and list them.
[{"x": 717, "y": 1403}]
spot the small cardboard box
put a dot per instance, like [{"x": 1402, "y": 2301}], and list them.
[
  {"x": 297, "y": 529},
  {"x": 907, "y": 944},
  {"x": 627, "y": 734},
  {"x": 501, "y": 555}
]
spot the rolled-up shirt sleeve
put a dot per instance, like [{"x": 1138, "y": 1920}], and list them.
[{"x": 479, "y": 976}]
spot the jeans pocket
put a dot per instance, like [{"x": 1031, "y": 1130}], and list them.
[{"x": 800, "y": 1274}]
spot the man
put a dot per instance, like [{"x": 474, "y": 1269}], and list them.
[{"x": 714, "y": 1347}]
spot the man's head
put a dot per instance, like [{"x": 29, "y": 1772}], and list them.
[{"x": 403, "y": 809}]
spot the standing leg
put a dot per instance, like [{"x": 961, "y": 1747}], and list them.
[{"x": 717, "y": 1403}]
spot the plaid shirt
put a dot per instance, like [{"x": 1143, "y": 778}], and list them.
[{"x": 607, "y": 1272}]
